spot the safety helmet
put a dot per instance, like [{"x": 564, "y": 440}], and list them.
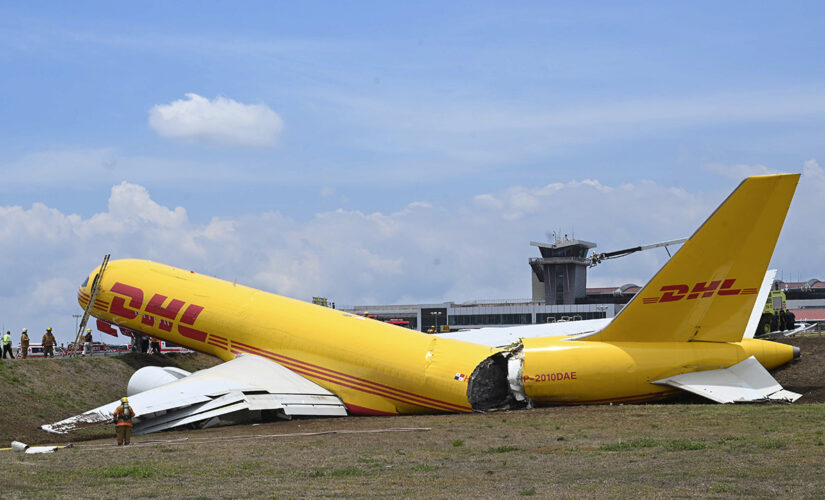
[
  {"x": 25, "y": 330},
  {"x": 124, "y": 400},
  {"x": 49, "y": 329},
  {"x": 88, "y": 330}
]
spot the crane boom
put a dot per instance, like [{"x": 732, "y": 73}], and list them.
[{"x": 598, "y": 258}]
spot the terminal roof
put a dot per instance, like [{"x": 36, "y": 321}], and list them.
[{"x": 564, "y": 243}]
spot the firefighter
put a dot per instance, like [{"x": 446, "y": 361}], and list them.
[
  {"x": 24, "y": 343},
  {"x": 87, "y": 342},
  {"x": 155, "y": 343},
  {"x": 122, "y": 419},
  {"x": 48, "y": 343},
  {"x": 790, "y": 317}
]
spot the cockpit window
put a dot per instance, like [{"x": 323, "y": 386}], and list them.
[{"x": 85, "y": 282}]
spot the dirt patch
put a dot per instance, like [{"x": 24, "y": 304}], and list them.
[{"x": 805, "y": 375}]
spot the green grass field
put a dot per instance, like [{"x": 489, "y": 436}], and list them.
[
  {"x": 648, "y": 451},
  {"x": 651, "y": 451}
]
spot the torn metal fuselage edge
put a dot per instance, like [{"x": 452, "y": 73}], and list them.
[{"x": 497, "y": 382}]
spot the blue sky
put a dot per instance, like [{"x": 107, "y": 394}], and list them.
[{"x": 378, "y": 152}]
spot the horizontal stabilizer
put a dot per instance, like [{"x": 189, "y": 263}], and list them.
[
  {"x": 746, "y": 381},
  {"x": 248, "y": 382}
]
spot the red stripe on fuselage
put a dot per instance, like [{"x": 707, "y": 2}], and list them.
[
  {"x": 360, "y": 410},
  {"x": 349, "y": 381},
  {"x": 624, "y": 399},
  {"x": 352, "y": 379},
  {"x": 356, "y": 380},
  {"x": 217, "y": 339}
]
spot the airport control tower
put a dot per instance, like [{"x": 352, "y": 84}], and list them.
[{"x": 560, "y": 275}]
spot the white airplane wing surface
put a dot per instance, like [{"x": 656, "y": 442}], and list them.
[
  {"x": 502, "y": 336},
  {"x": 505, "y": 335},
  {"x": 248, "y": 382},
  {"x": 743, "y": 382},
  {"x": 761, "y": 298}
]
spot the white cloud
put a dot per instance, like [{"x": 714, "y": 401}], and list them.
[
  {"x": 61, "y": 166},
  {"x": 812, "y": 170},
  {"x": 132, "y": 202},
  {"x": 802, "y": 243},
  {"x": 54, "y": 292},
  {"x": 473, "y": 248},
  {"x": 221, "y": 120},
  {"x": 494, "y": 131}
]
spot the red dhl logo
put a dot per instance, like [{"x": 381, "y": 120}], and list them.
[
  {"x": 701, "y": 290},
  {"x": 155, "y": 310}
]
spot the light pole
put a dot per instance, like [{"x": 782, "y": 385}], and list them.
[
  {"x": 436, "y": 314},
  {"x": 76, "y": 318}
]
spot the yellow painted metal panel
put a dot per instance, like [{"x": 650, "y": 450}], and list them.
[
  {"x": 585, "y": 372},
  {"x": 374, "y": 367}
]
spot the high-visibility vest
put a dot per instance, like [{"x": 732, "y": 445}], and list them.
[{"x": 7, "y": 339}]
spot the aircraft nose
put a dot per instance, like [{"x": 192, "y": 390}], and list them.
[{"x": 796, "y": 352}]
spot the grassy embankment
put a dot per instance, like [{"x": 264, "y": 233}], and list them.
[{"x": 40, "y": 391}]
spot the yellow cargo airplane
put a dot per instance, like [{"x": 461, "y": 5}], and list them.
[{"x": 685, "y": 330}]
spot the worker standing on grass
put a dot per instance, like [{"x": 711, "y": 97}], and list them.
[
  {"x": 24, "y": 343},
  {"x": 87, "y": 342},
  {"x": 7, "y": 345},
  {"x": 48, "y": 343},
  {"x": 123, "y": 422},
  {"x": 155, "y": 343}
]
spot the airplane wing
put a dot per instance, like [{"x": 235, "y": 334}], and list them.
[
  {"x": 247, "y": 382},
  {"x": 505, "y": 336},
  {"x": 498, "y": 336},
  {"x": 743, "y": 382}
]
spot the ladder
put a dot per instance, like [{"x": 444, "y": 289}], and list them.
[{"x": 74, "y": 349}]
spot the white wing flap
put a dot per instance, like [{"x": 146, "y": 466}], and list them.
[
  {"x": 270, "y": 401},
  {"x": 175, "y": 417},
  {"x": 248, "y": 382},
  {"x": 746, "y": 381},
  {"x": 151, "y": 426}
]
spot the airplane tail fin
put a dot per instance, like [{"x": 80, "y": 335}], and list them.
[{"x": 707, "y": 290}]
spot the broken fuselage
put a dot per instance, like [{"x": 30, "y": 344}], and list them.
[{"x": 382, "y": 369}]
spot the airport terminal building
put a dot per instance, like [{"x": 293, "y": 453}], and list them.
[{"x": 559, "y": 293}]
